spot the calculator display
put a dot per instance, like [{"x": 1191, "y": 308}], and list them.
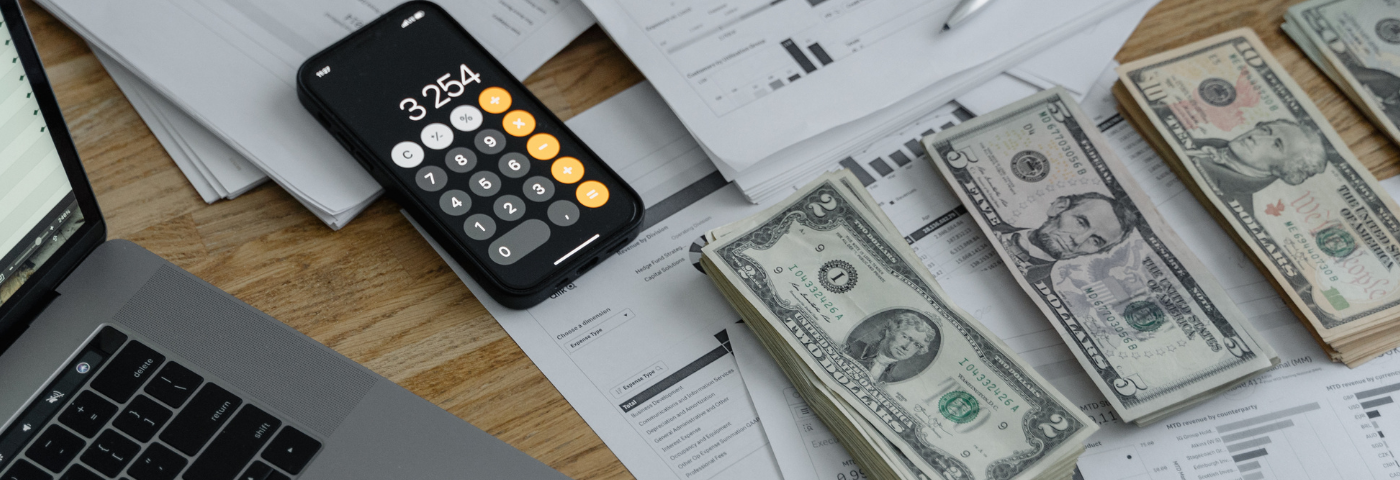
[{"x": 465, "y": 141}]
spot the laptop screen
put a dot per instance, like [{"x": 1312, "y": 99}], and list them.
[{"x": 38, "y": 210}]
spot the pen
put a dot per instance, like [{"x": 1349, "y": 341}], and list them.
[{"x": 965, "y": 10}]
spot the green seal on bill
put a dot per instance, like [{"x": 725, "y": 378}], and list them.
[
  {"x": 1144, "y": 316},
  {"x": 1335, "y": 241},
  {"x": 958, "y": 406}
]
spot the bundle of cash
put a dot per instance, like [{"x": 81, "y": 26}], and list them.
[
  {"x": 1261, "y": 157},
  {"x": 1357, "y": 44},
  {"x": 912, "y": 385},
  {"x": 1151, "y": 325}
]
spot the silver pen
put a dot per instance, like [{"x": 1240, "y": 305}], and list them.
[{"x": 964, "y": 11}]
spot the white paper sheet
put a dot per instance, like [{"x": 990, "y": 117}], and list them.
[
  {"x": 795, "y": 165},
  {"x": 216, "y": 171},
  {"x": 230, "y": 64},
  {"x": 753, "y": 78}
]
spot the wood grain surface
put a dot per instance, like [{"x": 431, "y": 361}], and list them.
[{"x": 377, "y": 293}]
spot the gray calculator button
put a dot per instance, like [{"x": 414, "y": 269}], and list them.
[
  {"x": 480, "y": 227},
  {"x": 455, "y": 202},
  {"x": 461, "y": 159},
  {"x": 518, "y": 243},
  {"x": 490, "y": 141},
  {"x": 485, "y": 184},
  {"x": 509, "y": 208},
  {"x": 514, "y": 165},
  {"x": 431, "y": 178},
  {"x": 539, "y": 189},
  {"x": 563, "y": 213}
]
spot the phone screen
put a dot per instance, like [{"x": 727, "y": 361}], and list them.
[{"x": 471, "y": 145}]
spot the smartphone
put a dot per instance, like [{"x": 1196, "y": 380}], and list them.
[{"x": 490, "y": 173}]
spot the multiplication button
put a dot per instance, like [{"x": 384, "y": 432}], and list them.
[
  {"x": 479, "y": 227},
  {"x": 455, "y": 202},
  {"x": 563, "y": 213},
  {"x": 407, "y": 154},
  {"x": 514, "y": 165},
  {"x": 431, "y": 178},
  {"x": 437, "y": 136},
  {"x": 485, "y": 184},
  {"x": 490, "y": 141},
  {"x": 509, "y": 208},
  {"x": 538, "y": 189},
  {"x": 461, "y": 159}
]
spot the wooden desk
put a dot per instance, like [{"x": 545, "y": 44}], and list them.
[{"x": 377, "y": 293}]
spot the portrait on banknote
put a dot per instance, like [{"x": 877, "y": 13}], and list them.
[
  {"x": 894, "y": 345},
  {"x": 1074, "y": 225}
]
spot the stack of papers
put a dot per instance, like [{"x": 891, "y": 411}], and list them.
[
  {"x": 216, "y": 81},
  {"x": 775, "y": 91}
]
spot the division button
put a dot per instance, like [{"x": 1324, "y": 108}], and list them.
[
  {"x": 485, "y": 184},
  {"x": 518, "y": 243},
  {"x": 407, "y": 154},
  {"x": 563, "y": 213},
  {"x": 466, "y": 118},
  {"x": 509, "y": 208},
  {"x": 431, "y": 178},
  {"x": 495, "y": 100},
  {"x": 455, "y": 202},
  {"x": 480, "y": 227},
  {"x": 542, "y": 146},
  {"x": 592, "y": 194},
  {"x": 567, "y": 170},
  {"x": 519, "y": 123},
  {"x": 436, "y": 136},
  {"x": 538, "y": 189},
  {"x": 490, "y": 141},
  {"x": 514, "y": 165},
  {"x": 461, "y": 160}
]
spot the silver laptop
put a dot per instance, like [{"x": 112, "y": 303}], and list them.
[{"x": 114, "y": 363}]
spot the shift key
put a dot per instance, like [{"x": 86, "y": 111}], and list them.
[{"x": 203, "y": 416}]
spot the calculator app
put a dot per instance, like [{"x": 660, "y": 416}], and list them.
[{"x": 518, "y": 189}]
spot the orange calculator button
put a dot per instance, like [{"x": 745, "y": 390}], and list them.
[
  {"x": 592, "y": 194},
  {"x": 542, "y": 146},
  {"x": 518, "y": 123},
  {"x": 495, "y": 100},
  {"x": 567, "y": 170}
]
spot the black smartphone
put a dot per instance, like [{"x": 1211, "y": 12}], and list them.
[{"x": 479, "y": 162}]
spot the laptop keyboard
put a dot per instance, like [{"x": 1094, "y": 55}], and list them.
[{"x": 143, "y": 416}]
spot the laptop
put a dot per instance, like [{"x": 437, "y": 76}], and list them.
[{"x": 115, "y": 363}]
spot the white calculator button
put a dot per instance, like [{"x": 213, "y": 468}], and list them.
[
  {"x": 466, "y": 118},
  {"x": 407, "y": 154},
  {"x": 437, "y": 136}
]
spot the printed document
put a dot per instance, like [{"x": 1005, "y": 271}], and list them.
[{"x": 752, "y": 77}]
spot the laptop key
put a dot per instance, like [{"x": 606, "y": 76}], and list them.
[
  {"x": 291, "y": 450},
  {"x": 157, "y": 463},
  {"x": 235, "y": 446},
  {"x": 87, "y": 414},
  {"x": 110, "y": 453},
  {"x": 198, "y": 422},
  {"x": 257, "y": 471},
  {"x": 55, "y": 448},
  {"x": 127, "y": 371},
  {"x": 174, "y": 384},
  {"x": 77, "y": 472},
  {"x": 23, "y": 470},
  {"x": 142, "y": 419}
]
